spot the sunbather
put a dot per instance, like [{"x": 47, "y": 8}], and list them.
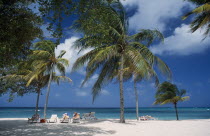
[
  {"x": 65, "y": 118},
  {"x": 76, "y": 118},
  {"x": 76, "y": 115},
  {"x": 35, "y": 118}
]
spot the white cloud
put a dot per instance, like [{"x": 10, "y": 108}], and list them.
[
  {"x": 81, "y": 93},
  {"x": 105, "y": 92},
  {"x": 182, "y": 42},
  {"x": 57, "y": 95},
  {"x": 152, "y": 14},
  {"x": 71, "y": 53}
]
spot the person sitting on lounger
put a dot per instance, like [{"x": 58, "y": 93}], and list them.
[
  {"x": 35, "y": 118},
  {"x": 76, "y": 115},
  {"x": 65, "y": 116}
]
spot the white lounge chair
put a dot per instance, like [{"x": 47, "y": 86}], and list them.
[
  {"x": 53, "y": 118},
  {"x": 86, "y": 116},
  {"x": 92, "y": 116},
  {"x": 89, "y": 116},
  {"x": 76, "y": 120},
  {"x": 144, "y": 118}
]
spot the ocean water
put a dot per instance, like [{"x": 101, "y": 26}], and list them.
[{"x": 162, "y": 113}]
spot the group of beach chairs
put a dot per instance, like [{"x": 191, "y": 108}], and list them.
[
  {"x": 146, "y": 118},
  {"x": 65, "y": 118}
]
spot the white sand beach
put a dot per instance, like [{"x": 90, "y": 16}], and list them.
[{"x": 110, "y": 127}]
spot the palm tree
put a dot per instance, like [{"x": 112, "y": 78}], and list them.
[
  {"x": 41, "y": 81},
  {"x": 202, "y": 19},
  {"x": 105, "y": 32},
  {"x": 149, "y": 36},
  {"x": 24, "y": 73},
  {"x": 45, "y": 61},
  {"x": 169, "y": 93}
]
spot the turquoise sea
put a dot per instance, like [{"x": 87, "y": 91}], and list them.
[{"x": 162, "y": 113}]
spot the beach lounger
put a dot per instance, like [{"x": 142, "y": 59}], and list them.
[
  {"x": 89, "y": 116},
  {"x": 92, "y": 116},
  {"x": 86, "y": 116},
  {"x": 53, "y": 118},
  {"x": 76, "y": 120},
  {"x": 35, "y": 118},
  {"x": 144, "y": 118}
]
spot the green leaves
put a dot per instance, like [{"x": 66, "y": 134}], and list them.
[
  {"x": 105, "y": 32},
  {"x": 19, "y": 26},
  {"x": 169, "y": 93},
  {"x": 148, "y": 36},
  {"x": 202, "y": 19}
]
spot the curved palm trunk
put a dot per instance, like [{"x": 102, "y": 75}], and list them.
[
  {"x": 37, "y": 100},
  {"x": 175, "y": 106},
  {"x": 137, "y": 101},
  {"x": 122, "y": 118},
  {"x": 47, "y": 96}
]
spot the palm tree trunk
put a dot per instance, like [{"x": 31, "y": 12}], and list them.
[
  {"x": 47, "y": 96},
  {"x": 175, "y": 106},
  {"x": 37, "y": 100},
  {"x": 122, "y": 119},
  {"x": 137, "y": 101}
]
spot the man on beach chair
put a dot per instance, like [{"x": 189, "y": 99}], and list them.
[
  {"x": 35, "y": 118},
  {"x": 65, "y": 118},
  {"x": 76, "y": 118}
]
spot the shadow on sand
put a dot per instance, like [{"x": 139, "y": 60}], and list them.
[
  {"x": 133, "y": 122},
  {"x": 22, "y": 128}
]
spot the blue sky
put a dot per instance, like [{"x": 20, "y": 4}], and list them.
[{"x": 185, "y": 53}]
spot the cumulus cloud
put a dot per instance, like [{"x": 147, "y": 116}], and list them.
[
  {"x": 153, "y": 14},
  {"x": 71, "y": 53},
  {"x": 182, "y": 42},
  {"x": 57, "y": 95},
  {"x": 81, "y": 93},
  {"x": 105, "y": 92}
]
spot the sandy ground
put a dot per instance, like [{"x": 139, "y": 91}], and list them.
[{"x": 110, "y": 127}]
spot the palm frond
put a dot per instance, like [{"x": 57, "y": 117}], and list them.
[
  {"x": 148, "y": 36},
  {"x": 63, "y": 52}
]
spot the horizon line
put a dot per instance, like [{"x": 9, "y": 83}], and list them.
[{"x": 107, "y": 107}]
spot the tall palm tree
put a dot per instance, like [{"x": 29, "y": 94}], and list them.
[
  {"x": 148, "y": 37},
  {"x": 45, "y": 61},
  {"x": 105, "y": 32},
  {"x": 202, "y": 18},
  {"x": 169, "y": 93},
  {"x": 41, "y": 81},
  {"x": 24, "y": 73}
]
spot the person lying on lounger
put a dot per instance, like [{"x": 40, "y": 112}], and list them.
[
  {"x": 65, "y": 116},
  {"x": 76, "y": 115}
]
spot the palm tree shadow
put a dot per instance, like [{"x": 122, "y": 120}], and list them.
[
  {"x": 109, "y": 120},
  {"x": 22, "y": 128}
]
